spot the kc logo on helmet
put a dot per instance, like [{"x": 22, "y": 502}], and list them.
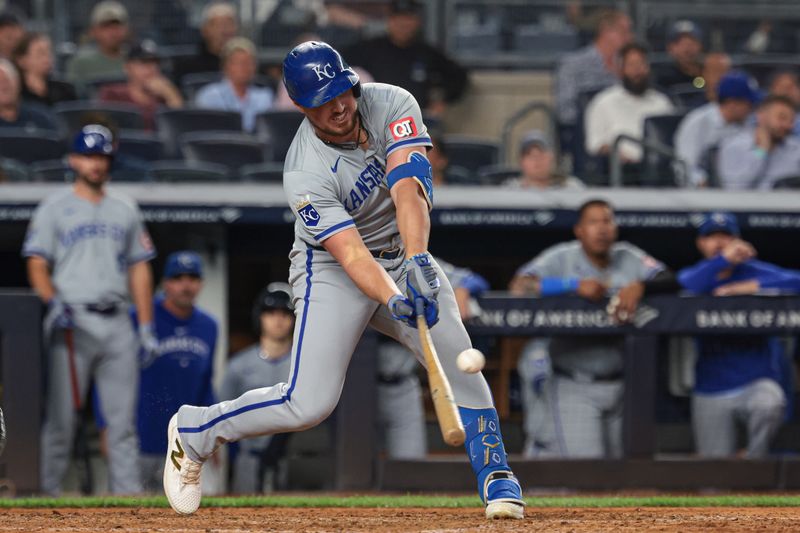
[
  {"x": 404, "y": 127},
  {"x": 322, "y": 70}
]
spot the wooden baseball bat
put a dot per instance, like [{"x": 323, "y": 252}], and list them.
[{"x": 442, "y": 394}]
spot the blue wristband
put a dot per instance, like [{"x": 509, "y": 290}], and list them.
[{"x": 556, "y": 286}]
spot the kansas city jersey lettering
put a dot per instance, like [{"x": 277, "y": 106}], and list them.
[
  {"x": 368, "y": 180},
  {"x": 91, "y": 230}
]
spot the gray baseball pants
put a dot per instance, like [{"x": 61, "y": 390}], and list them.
[
  {"x": 332, "y": 314},
  {"x": 759, "y": 406},
  {"x": 105, "y": 347}
]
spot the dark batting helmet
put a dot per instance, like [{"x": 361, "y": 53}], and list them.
[
  {"x": 276, "y": 295},
  {"x": 93, "y": 139},
  {"x": 315, "y": 73}
]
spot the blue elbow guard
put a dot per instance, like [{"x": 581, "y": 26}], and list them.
[{"x": 419, "y": 168}]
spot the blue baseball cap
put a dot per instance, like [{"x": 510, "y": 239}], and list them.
[
  {"x": 183, "y": 263},
  {"x": 684, "y": 27},
  {"x": 719, "y": 222},
  {"x": 738, "y": 85}
]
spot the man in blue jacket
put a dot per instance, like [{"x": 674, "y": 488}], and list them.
[
  {"x": 180, "y": 370},
  {"x": 737, "y": 378}
]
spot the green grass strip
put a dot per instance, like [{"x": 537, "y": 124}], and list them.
[{"x": 414, "y": 500}]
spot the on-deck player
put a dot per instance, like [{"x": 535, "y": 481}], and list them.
[
  {"x": 359, "y": 182},
  {"x": 87, "y": 250}
]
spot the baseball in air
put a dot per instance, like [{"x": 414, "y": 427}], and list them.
[{"x": 470, "y": 361}]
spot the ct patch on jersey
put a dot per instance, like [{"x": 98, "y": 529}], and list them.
[
  {"x": 402, "y": 128},
  {"x": 307, "y": 214}
]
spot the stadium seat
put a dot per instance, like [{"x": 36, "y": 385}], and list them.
[
  {"x": 262, "y": 172},
  {"x": 139, "y": 144},
  {"x": 658, "y": 169},
  {"x": 92, "y": 88},
  {"x": 497, "y": 174},
  {"x": 278, "y": 128},
  {"x": 790, "y": 182},
  {"x": 687, "y": 97},
  {"x": 471, "y": 153},
  {"x": 532, "y": 39},
  {"x": 72, "y": 114},
  {"x": 29, "y": 147},
  {"x": 13, "y": 170},
  {"x": 185, "y": 171},
  {"x": 51, "y": 170},
  {"x": 172, "y": 123},
  {"x": 225, "y": 148},
  {"x": 191, "y": 83}
]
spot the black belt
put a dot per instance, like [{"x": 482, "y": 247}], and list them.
[
  {"x": 394, "y": 253},
  {"x": 103, "y": 309},
  {"x": 392, "y": 380},
  {"x": 585, "y": 377}
]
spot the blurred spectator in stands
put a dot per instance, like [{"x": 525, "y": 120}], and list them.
[
  {"x": 403, "y": 58},
  {"x": 785, "y": 82},
  {"x": 537, "y": 164},
  {"x": 218, "y": 26},
  {"x": 574, "y": 388},
  {"x": 593, "y": 67},
  {"x": 758, "y": 42},
  {"x": 109, "y": 31},
  {"x": 262, "y": 364},
  {"x": 14, "y": 113},
  {"x": 715, "y": 66},
  {"x": 147, "y": 88},
  {"x": 11, "y": 32},
  {"x": 757, "y": 158},
  {"x": 282, "y": 22},
  {"x": 701, "y": 131},
  {"x": 236, "y": 92},
  {"x": 622, "y": 108},
  {"x": 33, "y": 57},
  {"x": 685, "y": 47},
  {"x": 737, "y": 378}
]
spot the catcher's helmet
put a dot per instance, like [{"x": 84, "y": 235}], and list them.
[
  {"x": 276, "y": 295},
  {"x": 315, "y": 73},
  {"x": 93, "y": 139}
]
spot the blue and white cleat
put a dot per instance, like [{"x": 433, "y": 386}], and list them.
[{"x": 503, "y": 496}]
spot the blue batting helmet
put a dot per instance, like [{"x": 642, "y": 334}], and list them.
[
  {"x": 93, "y": 139},
  {"x": 315, "y": 73}
]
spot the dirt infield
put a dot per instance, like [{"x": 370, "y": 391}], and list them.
[{"x": 318, "y": 520}]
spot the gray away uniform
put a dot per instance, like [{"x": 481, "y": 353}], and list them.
[
  {"x": 573, "y": 402},
  {"x": 330, "y": 190},
  {"x": 89, "y": 248},
  {"x": 247, "y": 371}
]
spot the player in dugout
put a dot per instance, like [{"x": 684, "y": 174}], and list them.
[{"x": 738, "y": 379}]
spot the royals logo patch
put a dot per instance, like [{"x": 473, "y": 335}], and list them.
[
  {"x": 402, "y": 128},
  {"x": 307, "y": 213}
]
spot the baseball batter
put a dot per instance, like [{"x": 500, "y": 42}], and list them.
[
  {"x": 359, "y": 182},
  {"x": 87, "y": 250}
]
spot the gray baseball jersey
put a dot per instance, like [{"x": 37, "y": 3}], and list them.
[
  {"x": 331, "y": 189},
  {"x": 596, "y": 356},
  {"x": 89, "y": 246}
]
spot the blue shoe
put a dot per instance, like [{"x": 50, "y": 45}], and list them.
[{"x": 503, "y": 496}]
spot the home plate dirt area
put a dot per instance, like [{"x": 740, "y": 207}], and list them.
[{"x": 406, "y": 519}]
